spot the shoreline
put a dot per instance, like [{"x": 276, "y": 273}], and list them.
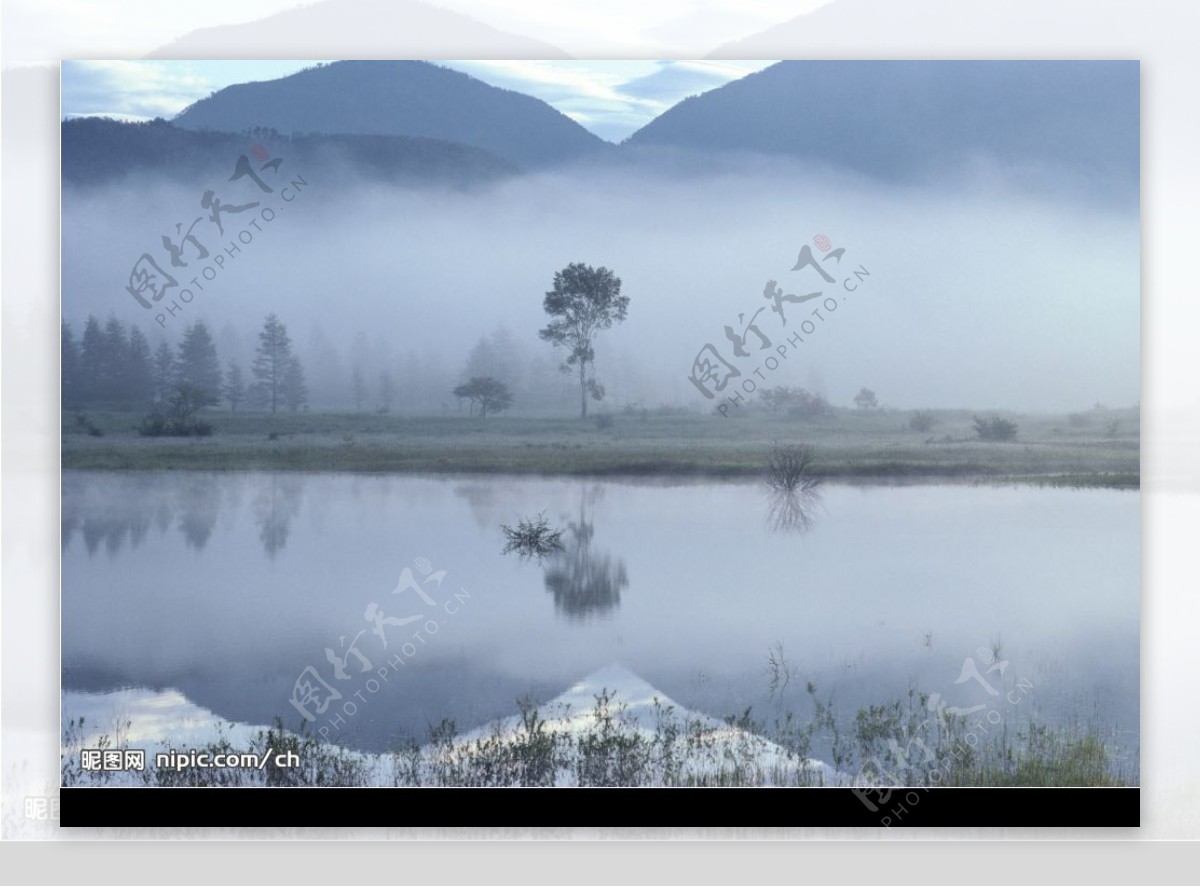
[{"x": 847, "y": 448}]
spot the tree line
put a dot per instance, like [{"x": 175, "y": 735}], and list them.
[{"x": 111, "y": 366}]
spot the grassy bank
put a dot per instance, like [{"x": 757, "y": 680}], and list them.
[{"x": 1099, "y": 450}]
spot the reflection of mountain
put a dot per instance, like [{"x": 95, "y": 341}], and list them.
[
  {"x": 275, "y": 504},
  {"x": 341, "y": 28},
  {"x": 584, "y": 582},
  {"x": 634, "y": 710},
  {"x": 400, "y": 98}
]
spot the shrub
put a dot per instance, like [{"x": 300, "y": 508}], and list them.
[
  {"x": 796, "y": 403},
  {"x": 84, "y": 423},
  {"x": 179, "y": 417},
  {"x": 790, "y": 468},
  {"x": 922, "y": 420},
  {"x": 995, "y": 428}
]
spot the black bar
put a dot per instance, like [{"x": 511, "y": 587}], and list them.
[{"x": 599, "y": 807}]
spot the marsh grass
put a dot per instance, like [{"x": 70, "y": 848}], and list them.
[
  {"x": 895, "y": 743},
  {"x": 869, "y": 446},
  {"x": 532, "y": 538}
]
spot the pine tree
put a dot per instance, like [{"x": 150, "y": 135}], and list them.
[
  {"x": 70, "y": 369},
  {"x": 91, "y": 362},
  {"x": 114, "y": 369},
  {"x": 198, "y": 364},
  {"x": 235, "y": 386},
  {"x": 272, "y": 359},
  {"x": 164, "y": 373},
  {"x": 139, "y": 374},
  {"x": 295, "y": 390}
]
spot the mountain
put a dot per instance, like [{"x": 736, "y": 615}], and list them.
[
  {"x": 362, "y": 29},
  {"x": 920, "y": 120},
  {"x": 98, "y": 150},
  {"x": 400, "y": 98}
]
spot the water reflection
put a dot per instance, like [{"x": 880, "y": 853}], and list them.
[
  {"x": 585, "y": 583},
  {"x": 717, "y": 588},
  {"x": 275, "y": 504},
  {"x": 793, "y": 511},
  {"x": 201, "y": 501},
  {"x": 109, "y": 511}
]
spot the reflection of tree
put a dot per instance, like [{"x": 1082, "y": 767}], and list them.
[
  {"x": 793, "y": 510},
  {"x": 107, "y": 510},
  {"x": 482, "y": 499},
  {"x": 584, "y": 583},
  {"x": 200, "y": 504},
  {"x": 104, "y": 512},
  {"x": 274, "y": 507}
]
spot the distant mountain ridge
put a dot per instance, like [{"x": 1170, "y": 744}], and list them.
[
  {"x": 96, "y": 151},
  {"x": 904, "y": 120},
  {"x": 400, "y": 98},
  {"x": 1044, "y": 125}
]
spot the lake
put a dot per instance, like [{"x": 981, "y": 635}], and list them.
[{"x": 222, "y": 589}]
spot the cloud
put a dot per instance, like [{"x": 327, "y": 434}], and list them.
[
  {"x": 611, "y": 98},
  {"x": 674, "y": 81},
  {"x": 129, "y": 88}
]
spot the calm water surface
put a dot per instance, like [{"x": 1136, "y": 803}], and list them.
[{"x": 225, "y": 587}]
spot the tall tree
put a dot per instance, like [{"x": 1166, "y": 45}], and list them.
[
  {"x": 164, "y": 372},
  {"x": 584, "y": 302},
  {"x": 295, "y": 389},
  {"x": 272, "y": 359},
  {"x": 198, "y": 364},
  {"x": 69, "y": 360},
  {"x": 114, "y": 368},
  {"x": 91, "y": 362},
  {"x": 139, "y": 371},
  {"x": 235, "y": 386}
]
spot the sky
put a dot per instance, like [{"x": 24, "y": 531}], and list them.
[{"x": 613, "y": 99}]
